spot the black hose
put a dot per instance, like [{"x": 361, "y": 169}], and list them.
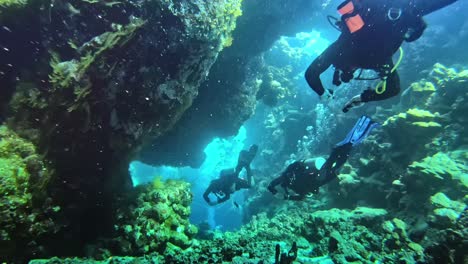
[{"x": 333, "y": 22}]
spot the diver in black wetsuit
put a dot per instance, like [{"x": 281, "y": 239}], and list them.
[
  {"x": 303, "y": 177},
  {"x": 244, "y": 160},
  {"x": 371, "y": 32},
  {"x": 229, "y": 181}
]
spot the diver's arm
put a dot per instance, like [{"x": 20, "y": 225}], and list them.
[
  {"x": 272, "y": 186},
  {"x": 224, "y": 198},
  {"x": 416, "y": 31},
  {"x": 278, "y": 180},
  {"x": 317, "y": 67},
  {"x": 425, "y": 7}
]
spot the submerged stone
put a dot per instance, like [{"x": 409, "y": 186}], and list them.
[
  {"x": 441, "y": 200},
  {"x": 442, "y": 166},
  {"x": 447, "y": 211}
]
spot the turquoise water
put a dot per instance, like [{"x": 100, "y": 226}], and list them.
[{"x": 116, "y": 117}]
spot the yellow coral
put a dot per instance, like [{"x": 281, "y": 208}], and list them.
[
  {"x": 419, "y": 113},
  {"x": 416, "y": 247},
  {"x": 423, "y": 87},
  {"x": 158, "y": 182},
  {"x": 12, "y": 3},
  {"x": 426, "y": 124},
  {"x": 463, "y": 75},
  {"x": 228, "y": 41}
]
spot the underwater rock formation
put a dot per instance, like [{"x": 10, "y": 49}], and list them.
[
  {"x": 228, "y": 96},
  {"x": 27, "y": 214},
  {"x": 275, "y": 84},
  {"x": 426, "y": 137},
  {"x": 342, "y": 236},
  {"x": 361, "y": 235},
  {"x": 158, "y": 219},
  {"x": 414, "y": 123},
  {"x": 416, "y": 166},
  {"x": 113, "y": 76}
]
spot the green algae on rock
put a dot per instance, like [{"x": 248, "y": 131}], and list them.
[
  {"x": 446, "y": 210},
  {"x": 26, "y": 212},
  {"x": 114, "y": 76},
  {"x": 440, "y": 172},
  {"x": 159, "y": 216},
  {"x": 361, "y": 235}
]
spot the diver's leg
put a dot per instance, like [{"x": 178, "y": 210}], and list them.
[
  {"x": 249, "y": 174},
  {"x": 339, "y": 156},
  {"x": 242, "y": 184},
  {"x": 318, "y": 66},
  {"x": 335, "y": 161},
  {"x": 340, "y": 153}
]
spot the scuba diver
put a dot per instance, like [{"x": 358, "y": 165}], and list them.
[
  {"x": 285, "y": 258},
  {"x": 306, "y": 176},
  {"x": 229, "y": 181},
  {"x": 371, "y": 32},
  {"x": 244, "y": 160}
]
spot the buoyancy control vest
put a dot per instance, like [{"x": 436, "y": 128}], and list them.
[{"x": 357, "y": 14}]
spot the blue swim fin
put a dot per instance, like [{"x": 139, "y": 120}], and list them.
[{"x": 360, "y": 131}]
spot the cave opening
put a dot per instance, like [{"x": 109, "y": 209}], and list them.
[{"x": 221, "y": 153}]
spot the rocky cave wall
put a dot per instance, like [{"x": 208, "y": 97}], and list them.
[
  {"x": 228, "y": 96},
  {"x": 90, "y": 82}
]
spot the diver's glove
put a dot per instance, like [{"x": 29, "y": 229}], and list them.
[
  {"x": 327, "y": 96},
  {"x": 354, "y": 102}
]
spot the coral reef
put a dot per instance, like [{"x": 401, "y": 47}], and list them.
[
  {"x": 228, "y": 96},
  {"x": 415, "y": 167},
  {"x": 27, "y": 212},
  {"x": 361, "y": 235},
  {"x": 103, "y": 80},
  {"x": 7, "y": 6},
  {"x": 446, "y": 211},
  {"x": 111, "y": 77},
  {"x": 158, "y": 219},
  {"x": 275, "y": 85}
]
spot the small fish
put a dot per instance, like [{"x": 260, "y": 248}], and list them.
[{"x": 236, "y": 204}]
